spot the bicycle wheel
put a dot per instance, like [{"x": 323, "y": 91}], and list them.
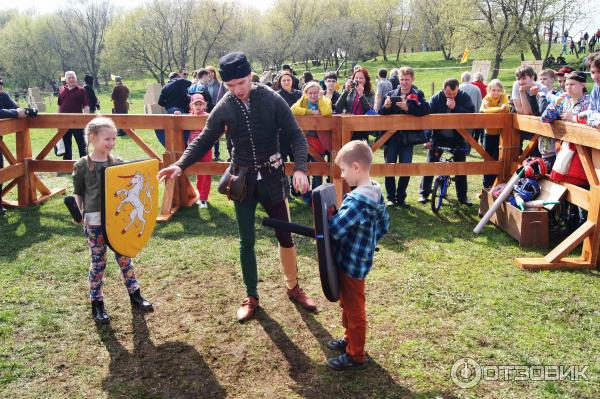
[{"x": 440, "y": 185}]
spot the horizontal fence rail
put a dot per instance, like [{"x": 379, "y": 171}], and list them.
[{"x": 23, "y": 165}]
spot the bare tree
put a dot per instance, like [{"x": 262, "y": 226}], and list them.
[
  {"x": 382, "y": 21},
  {"x": 406, "y": 17},
  {"x": 212, "y": 21},
  {"x": 439, "y": 15},
  {"x": 500, "y": 25},
  {"x": 87, "y": 24}
]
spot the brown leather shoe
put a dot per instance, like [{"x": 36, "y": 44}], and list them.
[
  {"x": 246, "y": 311},
  {"x": 298, "y": 295}
]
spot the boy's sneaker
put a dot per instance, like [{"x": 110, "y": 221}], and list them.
[
  {"x": 390, "y": 203},
  {"x": 338, "y": 345},
  {"x": 344, "y": 362},
  {"x": 203, "y": 204}
]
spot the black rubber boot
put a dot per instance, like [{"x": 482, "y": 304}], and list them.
[
  {"x": 139, "y": 302},
  {"x": 98, "y": 313}
]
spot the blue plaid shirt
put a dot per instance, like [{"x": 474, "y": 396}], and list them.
[{"x": 357, "y": 226}]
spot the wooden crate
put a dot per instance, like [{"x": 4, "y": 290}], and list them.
[{"x": 529, "y": 228}]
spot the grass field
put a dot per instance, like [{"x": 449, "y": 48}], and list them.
[{"x": 437, "y": 293}]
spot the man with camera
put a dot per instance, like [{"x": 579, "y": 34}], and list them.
[{"x": 408, "y": 100}]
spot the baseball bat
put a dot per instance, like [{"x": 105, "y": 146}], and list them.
[{"x": 501, "y": 198}]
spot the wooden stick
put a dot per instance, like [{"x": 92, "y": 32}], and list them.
[{"x": 475, "y": 145}]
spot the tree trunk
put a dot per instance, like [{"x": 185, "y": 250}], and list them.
[
  {"x": 549, "y": 47},
  {"x": 496, "y": 70},
  {"x": 447, "y": 54}
]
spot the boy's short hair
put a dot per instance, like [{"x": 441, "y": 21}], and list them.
[
  {"x": 593, "y": 59},
  {"x": 330, "y": 75},
  {"x": 355, "y": 151},
  {"x": 202, "y": 72},
  {"x": 525, "y": 70},
  {"x": 407, "y": 71},
  {"x": 548, "y": 72},
  {"x": 382, "y": 73}
]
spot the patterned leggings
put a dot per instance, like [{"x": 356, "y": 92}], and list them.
[{"x": 97, "y": 246}]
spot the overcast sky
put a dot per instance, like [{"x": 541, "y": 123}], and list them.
[{"x": 590, "y": 22}]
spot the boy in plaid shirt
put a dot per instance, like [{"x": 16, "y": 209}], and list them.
[{"x": 360, "y": 222}]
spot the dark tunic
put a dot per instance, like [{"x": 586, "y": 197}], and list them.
[
  {"x": 268, "y": 115},
  {"x": 119, "y": 96},
  {"x": 93, "y": 99}
]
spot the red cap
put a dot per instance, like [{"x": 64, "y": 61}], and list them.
[
  {"x": 197, "y": 97},
  {"x": 564, "y": 70}
]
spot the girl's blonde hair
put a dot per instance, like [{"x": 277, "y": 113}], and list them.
[
  {"x": 310, "y": 85},
  {"x": 497, "y": 83},
  {"x": 93, "y": 127}
]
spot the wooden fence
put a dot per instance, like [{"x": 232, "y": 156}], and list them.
[{"x": 23, "y": 166}]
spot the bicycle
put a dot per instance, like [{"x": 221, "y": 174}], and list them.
[{"x": 442, "y": 182}]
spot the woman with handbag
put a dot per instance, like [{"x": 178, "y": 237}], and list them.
[
  {"x": 406, "y": 99},
  {"x": 254, "y": 115}
]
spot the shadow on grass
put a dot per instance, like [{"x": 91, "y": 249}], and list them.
[
  {"x": 316, "y": 380},
  {"x": 217, "y": 223},
  {"x": 24, "y": 228},
  {"x": 171, "y": 370}
]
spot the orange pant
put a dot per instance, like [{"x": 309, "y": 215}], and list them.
[{"x": 354, "y": 316}]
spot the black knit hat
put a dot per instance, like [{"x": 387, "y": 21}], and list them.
[
  {"x": 234, "y": 66},
  {"x": 577, "y": 76}
]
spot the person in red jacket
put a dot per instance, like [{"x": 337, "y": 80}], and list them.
[
  {"x": 198, "y": 107},
  {"x": 478, "y": 81},
  {"x": 567, "y": 166}
]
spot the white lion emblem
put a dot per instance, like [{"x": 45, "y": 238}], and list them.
[{"x": 137, "y": 183}]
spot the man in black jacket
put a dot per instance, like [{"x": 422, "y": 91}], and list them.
[
  {"x": 455, "y": 101},
  {"x": 174, "y": 96},
  {"x": 399, "y": 148},
  {"x": 175, "y": 99},
  {"x": 255, "y": 117}
]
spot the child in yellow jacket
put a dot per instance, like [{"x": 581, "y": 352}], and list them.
[
  {"x": 313, "y": 102},
  {"x": 495, "y": 101}
]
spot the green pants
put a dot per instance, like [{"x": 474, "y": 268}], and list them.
[{"x": 245, "y": 213}]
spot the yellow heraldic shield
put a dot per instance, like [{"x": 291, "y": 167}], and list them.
[{"x": 130, "y": 205}]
